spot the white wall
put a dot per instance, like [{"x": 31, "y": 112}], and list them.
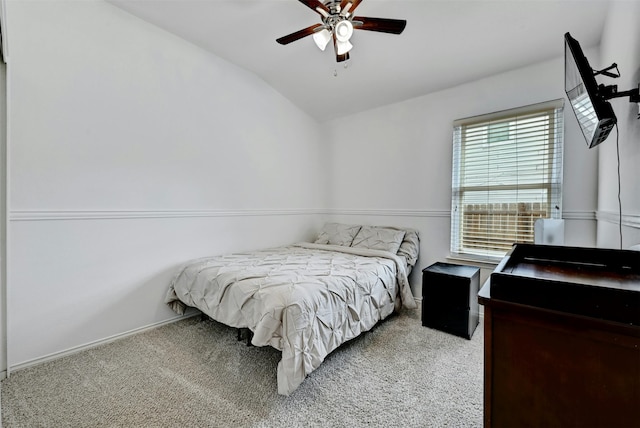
[
  {"x": 131, "y": 151},
  {"x": 393, "y": 164},
  {"x": 621, "y": 44}
]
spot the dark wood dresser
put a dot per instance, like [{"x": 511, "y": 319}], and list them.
[{"x": 562, "y": 338}]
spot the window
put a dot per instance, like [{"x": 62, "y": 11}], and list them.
[{"x": 507, "y": 173}]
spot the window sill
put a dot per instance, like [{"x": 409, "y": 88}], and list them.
[{"x": 483, "y": 264}]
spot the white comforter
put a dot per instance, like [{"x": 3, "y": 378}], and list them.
[{"x": 304, "y": 299}]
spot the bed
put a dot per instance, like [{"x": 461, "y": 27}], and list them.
[{"x": 304, "y": 299}]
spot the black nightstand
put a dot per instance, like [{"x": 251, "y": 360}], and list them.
[{"x": 450, "y": 298}]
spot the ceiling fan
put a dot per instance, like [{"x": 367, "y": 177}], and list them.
[{"x": 338, "y": 23}]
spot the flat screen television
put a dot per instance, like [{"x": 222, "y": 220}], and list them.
[{"x": 593, "y": 111}]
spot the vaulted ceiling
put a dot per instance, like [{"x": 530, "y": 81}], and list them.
[{"x": 445, "y": 43}]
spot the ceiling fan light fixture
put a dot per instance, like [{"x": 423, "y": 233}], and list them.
[
  {"x": 322, "y": 38},
  {"x": 343, "y": 47},
  {"x": 344, "y": 30}
]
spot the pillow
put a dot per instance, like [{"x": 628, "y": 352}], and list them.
[
  {"x": 410, "y": 247},
  {"x": 379, "y": 238},
  {"x": 337, "y": 234}
]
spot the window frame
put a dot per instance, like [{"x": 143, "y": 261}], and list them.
[{"x": 551, "y": 148}]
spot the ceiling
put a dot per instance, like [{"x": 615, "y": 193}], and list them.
[{"x": 445, "y": 43}]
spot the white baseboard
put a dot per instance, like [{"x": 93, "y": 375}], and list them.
[{"x": 86, "y": 346}]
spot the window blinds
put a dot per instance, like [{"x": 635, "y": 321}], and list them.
[{"x": 507, "y": 173}]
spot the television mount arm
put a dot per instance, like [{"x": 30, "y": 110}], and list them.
[
  {"x": 611, "y": 91},
  {"x": 606, "y": 72}
]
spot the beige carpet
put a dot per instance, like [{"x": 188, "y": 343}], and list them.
[{"x": 195, "y": 373}]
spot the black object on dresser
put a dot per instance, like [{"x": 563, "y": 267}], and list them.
[{"x": 449, "y": 298}]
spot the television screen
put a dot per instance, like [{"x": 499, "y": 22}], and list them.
[{"x": 594, "y": 113}]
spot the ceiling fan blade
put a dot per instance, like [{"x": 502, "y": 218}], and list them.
[
  {"x": 348, "y": 6},
  {"x": 382, "y": 25},
  {"x": 285, "y": 40},
  {"x": 342, "y": 58},
  {"x": 317, "y": 6}
]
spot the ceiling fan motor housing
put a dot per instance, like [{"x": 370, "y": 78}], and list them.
[{"x": 333, "y": 6}]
